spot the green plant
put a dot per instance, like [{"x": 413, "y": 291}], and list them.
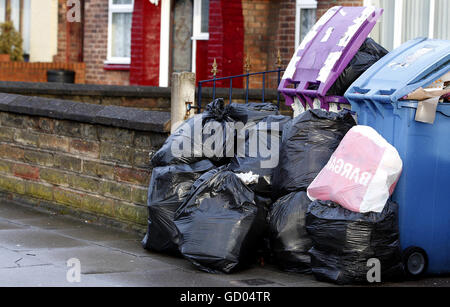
[{"x": 11, "y": 41}]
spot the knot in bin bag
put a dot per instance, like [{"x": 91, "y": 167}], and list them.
[
  {"x": 361, "y": 174},
  {"x": 169, "y": 187},
  {"x": 288, "y": 237},
  {"x": 220, "y": 225},
  {"x": 308, "y": 142}
]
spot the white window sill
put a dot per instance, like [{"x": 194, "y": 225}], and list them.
[
  {"x": 118, "y": 62},
  {"x": 201, "y": 37}
]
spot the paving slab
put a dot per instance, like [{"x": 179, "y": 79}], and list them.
[
  {"x": 46, "y": 276},
  {"x": 100, "y": 260},
  {"x": 30, "y": 239},
  {"x": 12, "y": 211},
  {"x": 51, "y": 222},
  {"x": 133, "y": 247},
  {"x": 4, "y": 225},
  {"x": 164, "y": 278},
  {"x": 13, "y": 259},
  {"x": 176, "y": 261},
  {"x": 98, "y": 234}
]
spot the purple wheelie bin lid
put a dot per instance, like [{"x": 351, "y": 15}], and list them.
[{"x": 325, "y": 53}]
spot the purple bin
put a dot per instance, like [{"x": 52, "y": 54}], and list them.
[{"x": 325, "y": 53}]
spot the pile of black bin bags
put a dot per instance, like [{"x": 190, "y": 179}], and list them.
[
  {"x": 198, "y": 207},
  {"x": 324, "y": 238},
  {"x": 201, "y": 208}
]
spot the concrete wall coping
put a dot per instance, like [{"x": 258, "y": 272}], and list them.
[
  {"x": 63, "y": 89},
  {"x": 121, "y": 117},
  {"x": 30, "y": 88}
]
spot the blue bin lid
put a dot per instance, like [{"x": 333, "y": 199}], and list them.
[{"x": 416, "y": 63}]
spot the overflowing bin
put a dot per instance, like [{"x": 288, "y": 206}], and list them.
[
  {"x": 378, "y": 97},
  {"x": 324, "y": 54}
]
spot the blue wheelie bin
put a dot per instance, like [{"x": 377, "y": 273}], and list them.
[{"x": 423, "y": 191}]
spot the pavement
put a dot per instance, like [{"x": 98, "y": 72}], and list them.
[{"x": 35, "y": 247}]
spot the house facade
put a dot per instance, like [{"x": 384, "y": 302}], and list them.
[{"x": 142, "y": 42}]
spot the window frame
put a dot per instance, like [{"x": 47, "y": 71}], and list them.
[
  {"x": 21, "y": 20},
  {"x": 116, "y": 8},
  {"x": 300, "y": 5},
  {"x": 197, "y": 33}
]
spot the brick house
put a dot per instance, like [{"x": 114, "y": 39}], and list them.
[{"x": 141, "y": 42}]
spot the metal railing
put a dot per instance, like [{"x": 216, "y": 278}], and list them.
[{"x": 245, "y": 76}]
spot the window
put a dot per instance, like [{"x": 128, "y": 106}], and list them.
[
  {"x": 20, "y": 16},
  {"x": 305, "y": 19},
  {"x": 404, "y": 20},
  {"x": 119, "y": 31}
]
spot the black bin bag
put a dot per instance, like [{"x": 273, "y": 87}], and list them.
[
  {"x": 258, "y": 150},
  {"x": 169, "y": 187},
  {"x": 308, "y": 142},
  {"x": 289, "y": 240},
  {"x": 189, "y": 139},
  {"x": 368, "y": 54},
  {"x": 220, "y": 225},
  {"x": 251, "y": 112},
  {"x": 344, "y": 241}
]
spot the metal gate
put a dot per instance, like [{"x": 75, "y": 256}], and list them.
[{"x": 246, "y": 77}]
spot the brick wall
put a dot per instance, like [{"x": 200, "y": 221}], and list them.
[
  {"x": 285, "y": 40},
  {"x": 96, "y": 45},
  {"x": 37, "y": 72},
  {"x": 226, "y": 39},
  {"x": 145, "y": 47},
  {"x": 203, "y": 68},
  {"x": 260, "y": 34},
  {"x": 269, "y": 27},
  {"x": 68, "y": 33},
  {"x": 91, "y": 168}
]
